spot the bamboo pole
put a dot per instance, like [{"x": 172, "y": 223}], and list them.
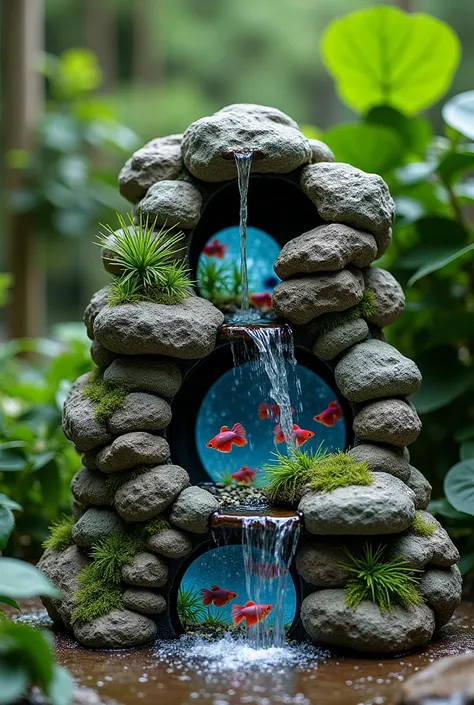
[{"x": 22, "y": 98}]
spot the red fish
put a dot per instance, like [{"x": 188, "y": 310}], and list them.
[
  {"x": 267, "y": 411},
  {"x": 223, "y": 440},
  {"x": 301, "y": 436},
  {"x": 252, "y": 613},
  {"x": 245, "y": 474},
  {"x": 329, "y": 415},
  {"x": 217, "y": 596},
  {"x": 266, "y": 570},
  {"x": 261, "y": 299},
  {"x": 215, "y": 249}
]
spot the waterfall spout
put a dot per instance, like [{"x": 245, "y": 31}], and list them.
[{"x": 243, "y": 162}]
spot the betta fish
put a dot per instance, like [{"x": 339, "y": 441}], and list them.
[
  {"x": 329, "y": 415},
  {"x": 266, "y": 570},
  {"x": 300, "y": 435},
  {"x": 215, "y": 249},
  {"x": 270, "y": 282},
  {"x": 217, "y": 596},
  {"x": 261, "y": 300},
  {"x": 267, "y": 411},
  {"x": 223, "y": 440},
  {"x": 245, "y": 474},
  {"x": 252, "y": 613}
]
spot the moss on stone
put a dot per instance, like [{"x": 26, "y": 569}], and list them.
[
  {"x": 60, "y": 534},
  {"x": 156, "y": 525},
  {"x": 422, "y": 526},
  {"x": 364, "y": 309},
  {"x": 339, "y": 470},
  {"x": 106, "y": 397},
  {"x": 95, "y": 597},
  {"x": 111, "y": 554}
]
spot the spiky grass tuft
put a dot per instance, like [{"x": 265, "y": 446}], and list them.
[
  {"x": 364, "y": 309},
  {"x": 156, "y": 525},
  {"x": 106, "y": 396},
  {"x": 286, "y": 475},
  {"x": 113, "y": 553},
  {"x": 146, "y": 259},
  {"x": 383, "y": 582},
  {"x": 95, "y": 598},
  {"x": 226, "y": 478},
  {"x": 422, "y": 526},
  {"x": 339, "y": 470},
  {"x": 60, "y": 534},
  {"x": 190, "y": 607},
  {"x": 214, "y": 279}
]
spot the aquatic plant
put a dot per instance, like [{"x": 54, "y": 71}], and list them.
[
  {"x": 190, "y": 607},
  {"x": 95, "y": 597},
  {"x": 60, "y": 534},
  {"x": 286, "y": 475},
  {"x": 111, "y": 554},
  {"x": 235, "y": 281},
  {"x": 106, "y": 396},
  {"x": 422, "y": 526},
  {"x": 226, "y": 478},
  {"x": 339, "y": 470},
  {"x": 214, "y": 279},
  {"x": 383, "y": 582},
  {"x": 364, "y": 309},
  {"x": 146, "y": 259},
  {"x": 212, "y": 619},
  {"x": 154, "y": 526}
]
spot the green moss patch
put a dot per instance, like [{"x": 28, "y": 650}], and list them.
[
  {"x": 384, "y": 583},
  {"x": 339, "y": 470},
  {"x": 106, "y": 397},
  {"x": 422, "y": 526},
  {"x": 60, "y": 534},
  {"x": 364, "y": 309},
  {"x": 95, "y": 598},
  {"x": 156, "y": 525},
  {"x": 111, "y": 554}
]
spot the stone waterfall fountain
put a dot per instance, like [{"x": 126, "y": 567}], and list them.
[{"x": 332, "y": 221}]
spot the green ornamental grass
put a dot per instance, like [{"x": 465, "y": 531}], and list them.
[
  {"x": 190, "y": 607},
  {"x": 383, "y": 582},
  {"x": 60, "y": 534},
  {"x": 111, "y": 554},
  {"x": 422, "y": 526}
]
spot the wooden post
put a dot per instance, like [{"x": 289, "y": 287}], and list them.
[
  {"x": 147, "y": 63},
  {"x": 22, "y": 97},
  {"x": 101, "y": 38}
]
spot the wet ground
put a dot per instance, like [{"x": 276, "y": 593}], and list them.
[{"x": 223, "y": 674}]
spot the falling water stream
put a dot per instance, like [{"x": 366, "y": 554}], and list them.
[{"x": 243, "y": 162}]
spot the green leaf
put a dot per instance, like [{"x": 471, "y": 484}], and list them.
[
  {"x": 438, "y": 262},
  {"x": 12, "y": 458},
  {"x": 415, "y": 132},
  {"x": 441, "y": 507},
  {"x": 19, "y": 580},
  {"x": 7, "y": 524},
  {"x": 32, "y": 649},
  {"x": 459, "y": 486},
  {"x": 372, "y": 148},
  {"x": 444, "y": 379},
  {"x": 467, "y": 450},
  {"x": 458, "y": 113},
  {"x": 40, "y": 460},
  {"x": 8, "y": 601},
  {"x": 61, "y": 688},
  {"x": 438, "y": 230},
  {"x": 466, "y": 563},
  {"x": 465, "y": 433},
  {"x": 384, "y": 56},
  {"x": 454, "y": 163},
  {"x": 415, "y": 172},
  {"x": 13, "y": 680},
  {"x": 9, "y": 503}
]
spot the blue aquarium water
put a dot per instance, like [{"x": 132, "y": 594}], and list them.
[
  {"x": 235, "y": 398},
  {"x": 262, "y": 251},
  {"x": 224, "y": 567}
]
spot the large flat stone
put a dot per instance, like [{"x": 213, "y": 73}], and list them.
[
  {"x": 448, "y": 680},
  {"x": 332, "y": 343},
  {"x": 319, "y": 562},
  {"x": 382, "y": 458},
  {"x": 144, "y": 601},
  {"x": 390, "y": 421},
  {"x": 94, "y": 525},
  {"x": 300, "y": 300},
  {"x": 389, "y": 296},
  {"x": 145, "y": 374},
  {"x": 187, "y": 330},
  {"x": 435, "y": 550},
  {"x": 157, "y": 160},
  {"x": 119, "y": 629},
  {"x": 140, "y": 412},
  {"x": 385, "y": 507},
  {"x": 170, "y": 543},
  {"x": 172, "y": 204},
  {"x": 150, "y": 493},
  {"x": 375, "y": 369},
  {"x": 327, "y": 248},
  {"x": 344, "y": 194},
  {"x": 133, "y": 449},
  {"x": 192, "y": 510},
  {"x": 328, "y": 621},
  {"x": 146, "y": 570}
]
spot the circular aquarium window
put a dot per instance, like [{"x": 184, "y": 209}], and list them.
[
  {"x": 215, "y": 582},
  {"x": 218, "y": 270},
  {"x": 234, "y": 398}
]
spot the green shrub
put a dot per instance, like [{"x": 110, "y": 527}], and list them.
[
  {"x": 383, "y": 582},
  {"x": 106, "y": 396},
  {"x": 60, "y": 534},
  {"x": 422, "y": 526},
  {"x": 95, "y": 597}
]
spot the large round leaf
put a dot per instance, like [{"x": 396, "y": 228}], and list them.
[
  {"x": 459, "y": 113},
  {"x": 19, "y": 580},
  {"x": 415, "y": 132},
  {"x": 384, "y": 56},
  {"x": 372, "y": 148},
  {"x": 444, "y": 379},
  {"x": 459, "y": 486}
]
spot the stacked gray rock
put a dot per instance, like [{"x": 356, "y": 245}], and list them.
[{"x": 330, "y": 291}]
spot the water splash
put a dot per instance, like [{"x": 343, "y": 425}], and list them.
[
  {"x": 243, "y": 162},
  {"x": 269, "y": 545}
]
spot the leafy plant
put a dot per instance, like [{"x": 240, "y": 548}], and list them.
[
  {"x": 213, "y": 619},
  {"x": 422, "y": 526},
  {"x": 214, "y": 279},
  {"x": 60, "y": 535},
  {"x": 383, "y": 582},
  {"x": 106, "y": 396},
  {"x": 190, "y": 607},
  {"x": 7, "y": 518},
  {"x": 226, "y": 478},
  {"x": 339, "y": 470},
  {"x": 286, "y": 475},
  {"x": 146, "y": 259}
]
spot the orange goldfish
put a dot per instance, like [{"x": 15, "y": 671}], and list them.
[
  {"x": 217, "y": 596},
  {"x": 245, "y": 474},
  {"x": 301, "y": 436},
  {"x": 266, "y": 570},
  {"x": 252, "y": 613},
  {"x": 267, "y": 411},
  {"x": 261, "y": 299},
  {"x": 329, "y": 415},
  {"x": 215, "y": 249},
  {"x": 223, "y": 440}
]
